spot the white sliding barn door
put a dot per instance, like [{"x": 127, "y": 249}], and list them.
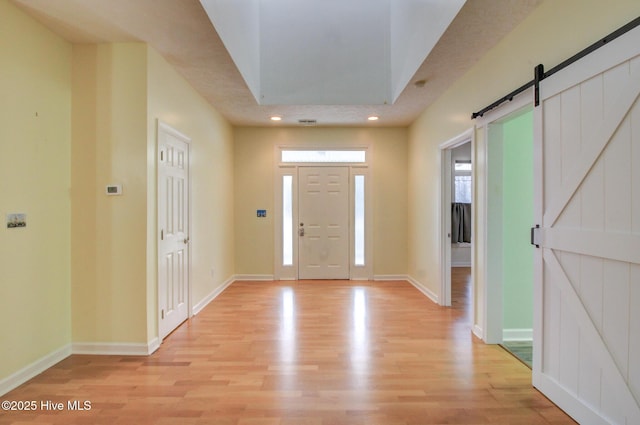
[{"x": 587, "y": 291}]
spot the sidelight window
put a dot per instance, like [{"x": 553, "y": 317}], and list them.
[
  {"x": 359, "y": 220},
  {"x": 287, "y": 220}
]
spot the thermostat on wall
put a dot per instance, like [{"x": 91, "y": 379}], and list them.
[{"x": 114, "y": 189}]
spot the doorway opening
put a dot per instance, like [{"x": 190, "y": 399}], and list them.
[
  {"x": 510, "y": 198},
  {"x": 456, "y": 235}
]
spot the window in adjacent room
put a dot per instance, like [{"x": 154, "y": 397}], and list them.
[{"x": 462, "y": 181}]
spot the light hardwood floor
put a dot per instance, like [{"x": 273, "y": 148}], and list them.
[{"x": 304, "y": 353}]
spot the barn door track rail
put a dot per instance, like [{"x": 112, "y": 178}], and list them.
[{"x": 540, "y": 74}]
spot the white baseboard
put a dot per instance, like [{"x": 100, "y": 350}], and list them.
[
  {"x": 153, "y": 345},
  {"x": 477, "y": 331},
  {"x": 422, "y": 288},
  {"x": 115, "y": 348},
  {"x": 517, "y": 334},
  {"x": 206, "y": 300},
  {"x": 23, "y": 375},
  {"x": 390, "y": 277},
  {"x": 253, "y": 277},
  {"x": 107, "y": 348}
]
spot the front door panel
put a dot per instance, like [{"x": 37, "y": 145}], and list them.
[{"x": 323, "y": 238}]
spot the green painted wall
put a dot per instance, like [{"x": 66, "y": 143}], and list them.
[{"x": 517, "y": 221}]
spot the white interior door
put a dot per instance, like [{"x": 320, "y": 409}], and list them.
[
  {"x": 173, "y": 223},
  {"x": 323, "y": 212},
  {"x": 587, "y": 290}
]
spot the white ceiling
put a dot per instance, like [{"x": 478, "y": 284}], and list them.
[
  {"x": 310, "y": 52},
  {"x": 311, "y": 65}
]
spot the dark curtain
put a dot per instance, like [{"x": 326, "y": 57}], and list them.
[{"x": 460, "y": 222}]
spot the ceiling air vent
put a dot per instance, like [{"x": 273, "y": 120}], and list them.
[{"x": 307, "y": 122}]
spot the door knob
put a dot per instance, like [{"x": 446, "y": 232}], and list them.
[
  {"x": 186, "y": 240},
  {"x": 301, "y": 231}
]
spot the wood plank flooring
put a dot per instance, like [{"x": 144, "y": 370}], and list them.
[{"x": 303, "y": 353}]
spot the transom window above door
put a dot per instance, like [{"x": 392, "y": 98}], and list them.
[{"x": 323, "y": 156}]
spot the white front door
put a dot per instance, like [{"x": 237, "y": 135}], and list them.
[
  {"x": 323, "y": 232},
  {"x": 587, "y": 287},
  {"x": 173, "y": 232}
]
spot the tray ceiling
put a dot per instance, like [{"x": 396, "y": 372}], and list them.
[{"x": 335, "y": 62}]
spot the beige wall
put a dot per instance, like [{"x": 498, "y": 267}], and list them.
[
  {"x": 255, "y": 156},
  {"x": 109, "y": 232},
  {"x": 35, "y": 141},
  {"x": 173, "y": 101},
  {"x": 72, "y": 120},
  {"x": 554, "y": 31},
  {"x": 120, "y": 91}
]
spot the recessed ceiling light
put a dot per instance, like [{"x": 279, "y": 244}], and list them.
[
  {"x": 276, "y": 118},
  {"x": 373, "y": 118}
]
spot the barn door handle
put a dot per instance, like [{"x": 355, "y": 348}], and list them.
[{"x": 535, "y": 236}]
